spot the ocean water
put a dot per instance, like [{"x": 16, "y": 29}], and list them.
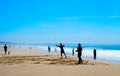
[{"x": 108, "y": 53}]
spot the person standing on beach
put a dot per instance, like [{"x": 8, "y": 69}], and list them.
[
  {"x": 62, "y": 49},
  {"x": 5, "y": 49},
  {"x": 73, "y": 52},
  {"x": 94, "y": 53},
  {"x": 49, "y": 49},
  {"x": 79, "y": 50}
]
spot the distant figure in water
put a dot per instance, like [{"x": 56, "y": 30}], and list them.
[
  {"x": 62, "y": 49},
  {"x": 5, "y": 49},
  {"x": 79, "y": 50},
  {"x": 73, "y": 52},
  {"x": 55, "y": 50},
  {"x": 30, "y": 48},
  {"x": 94, "y": 53},
  {"x": 49, "y": 48}
]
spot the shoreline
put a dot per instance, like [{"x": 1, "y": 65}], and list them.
[
  {"x": 89, "y": 54},
  {"x": 25, "y": 51},
  {"x": 34, "y": 62}
]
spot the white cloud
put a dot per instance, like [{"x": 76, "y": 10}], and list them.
[
  {"x": 86, "y": 17},
  {"x": 75, "y": 17}
]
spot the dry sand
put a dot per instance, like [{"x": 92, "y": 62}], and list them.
[{"x": 26, "y": 62}]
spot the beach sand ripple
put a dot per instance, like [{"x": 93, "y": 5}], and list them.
[{"x": 44, "y": 59}]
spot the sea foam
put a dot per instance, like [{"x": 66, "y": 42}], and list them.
[{"x": 102, "y": 54}]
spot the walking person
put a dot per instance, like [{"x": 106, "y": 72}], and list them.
[
  {"x": 94, "y": 54},
  {"x": 5, "y": 49},
  {"x": 79, "y": 50},
  {"x": 61, "y": 49}
]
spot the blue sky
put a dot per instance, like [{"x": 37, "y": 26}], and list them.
[{"x": 67, "y": 21}]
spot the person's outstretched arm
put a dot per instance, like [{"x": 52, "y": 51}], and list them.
[
  {"x": 57, "y": 45},
  {"x": 76, "y": 50}
]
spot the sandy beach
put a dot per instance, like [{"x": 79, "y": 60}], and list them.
[{"x": 23, "y": 61}]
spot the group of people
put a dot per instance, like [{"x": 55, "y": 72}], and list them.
[{"x": 79, "y": 50}]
